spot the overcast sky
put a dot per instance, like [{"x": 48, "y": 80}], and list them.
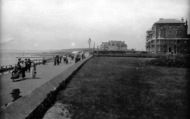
[{"x": 62, "y": 24}]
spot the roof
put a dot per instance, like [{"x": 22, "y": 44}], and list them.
[
  {"x": 149, "y": 31},
  {"x": 160, "y": 21},
  {"x": 112, "y": 41}
]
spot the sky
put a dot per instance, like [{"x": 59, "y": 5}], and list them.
[{"x": 64, "y": 24}]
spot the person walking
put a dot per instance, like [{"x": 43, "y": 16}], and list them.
[
  {"x": 29, "y": 64},
  {"x": 55, "y": 62},
  {"x": 23, "y": 68},
  {"x": 33, "y": 70},
  {"x": 15, "y": 73}
]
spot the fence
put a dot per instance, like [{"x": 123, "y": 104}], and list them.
[{"x": 37, "y": 62}]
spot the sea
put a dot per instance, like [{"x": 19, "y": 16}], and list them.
[{"x": 11, "y": 58}]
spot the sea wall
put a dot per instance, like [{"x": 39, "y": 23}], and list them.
[{"x": 34, "y": 105}]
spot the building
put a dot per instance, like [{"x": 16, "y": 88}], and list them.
[
  {"x": 113, "y": 46},
  {"x": 168, "y": 36}
]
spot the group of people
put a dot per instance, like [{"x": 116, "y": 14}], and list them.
[
  {"x": 58, "y": 59},
  {"x": 68, "y": 58},
  {"x": 79, "y": 57},
  {"x": 22, "y": 67}
]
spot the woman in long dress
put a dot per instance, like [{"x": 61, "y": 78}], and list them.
[{"x": 33, "y": 70}]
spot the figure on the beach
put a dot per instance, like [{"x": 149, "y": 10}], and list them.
[{"x": 33, "y": 70}]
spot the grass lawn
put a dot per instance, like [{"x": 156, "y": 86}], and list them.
[{"x": 126, "y": 88}]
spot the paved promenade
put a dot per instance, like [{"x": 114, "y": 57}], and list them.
[{"x": 26, "y": 86}]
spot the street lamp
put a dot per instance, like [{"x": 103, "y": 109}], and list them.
[{"x": 89, "y": 42}]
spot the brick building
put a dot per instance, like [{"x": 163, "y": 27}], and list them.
[
  {"x": 168, "y": 36},
  {"x": 114, "y": 46}
]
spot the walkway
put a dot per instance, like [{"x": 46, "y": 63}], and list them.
[{"x": 26, "y": 86}]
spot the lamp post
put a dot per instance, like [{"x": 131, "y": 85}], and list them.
[{"x": 89, "y": 42}]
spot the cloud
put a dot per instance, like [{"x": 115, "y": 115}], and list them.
[
  {"x": 7, "y": 40},
  {"x": 54, "y": 23}
]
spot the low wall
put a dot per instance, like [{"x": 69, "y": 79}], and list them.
[
  {"x": 34, "y": 105},
  {"x": 130, "y": 55}
]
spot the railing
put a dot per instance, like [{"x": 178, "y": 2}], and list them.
[{"x": 7, "y": 68}]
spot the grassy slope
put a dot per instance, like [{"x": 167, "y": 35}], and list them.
[{"x": 115, "y": 87}]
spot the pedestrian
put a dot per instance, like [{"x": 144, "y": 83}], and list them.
[
  {"x": 60, "y": 58},
  {"x": 33, "y": 70},
  {"x": 15, "y": 73},
  {"x": 44, "y": 61},
  {"x": 29, "y": 64},
  {"x": 18, "y": 63},
  {"x": 57, "y": 59},
  {"x": 23, "y": 68},
  {"x": 66, "y": 60},
  {"x": 83, "y": 56},
  {"x": 54, "y": 58}
]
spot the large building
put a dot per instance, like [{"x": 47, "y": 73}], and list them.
[
  {"x": 168, "y": 36},
  {"x": 113, "y": 46}
]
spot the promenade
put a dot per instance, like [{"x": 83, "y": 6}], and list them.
[{"x": 27, "y": 85}]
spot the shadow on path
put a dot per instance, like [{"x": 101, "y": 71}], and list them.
[{"x": 18, "y": 80}]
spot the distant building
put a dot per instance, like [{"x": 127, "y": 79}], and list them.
[
  {"x": 168, "y": 36},
  {"x": 113, "y": 46}
]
